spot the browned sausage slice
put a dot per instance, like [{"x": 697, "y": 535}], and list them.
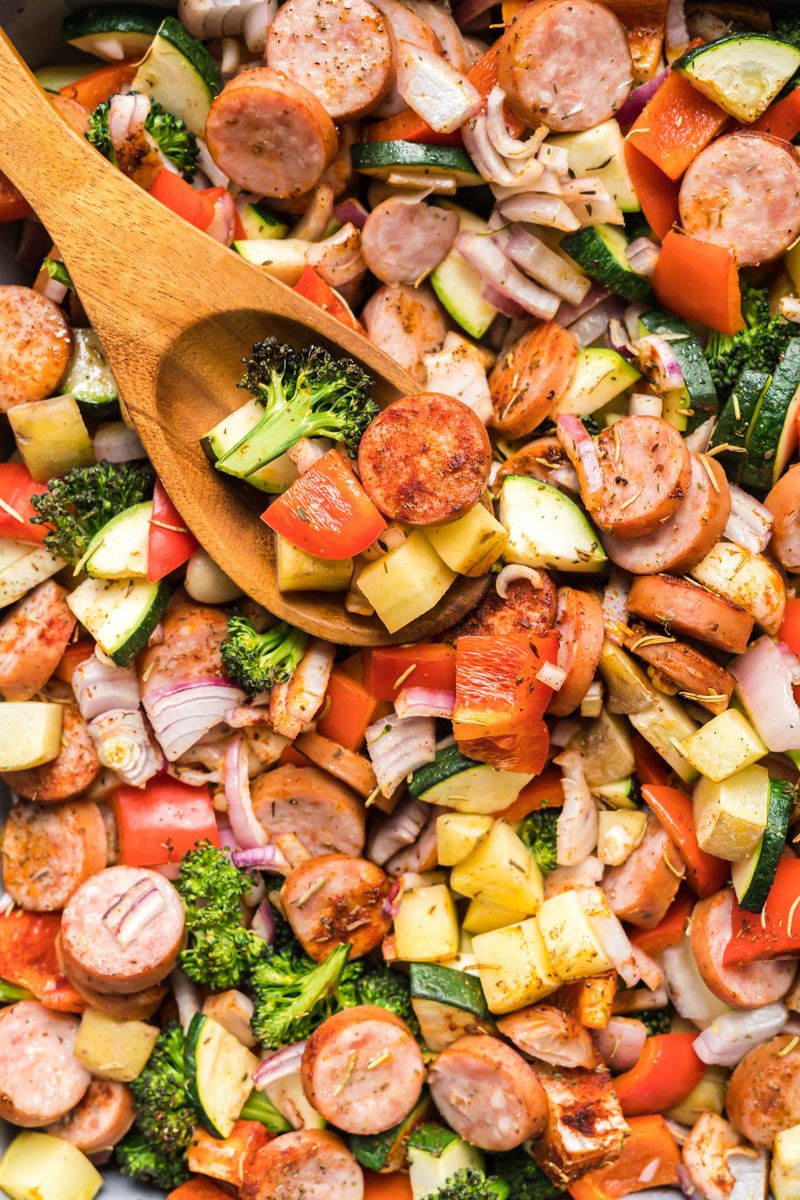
[
  {"x": 524, "y": 609},
  {"x": 403, "y": 240},
  {"x": 751, "y": 986},
  {"x": 349, "y": 768},
  {"x": 270, "y": 135},
  {"x": 49, "y": 852},
  {"x": 335, "y": 899},
  {"x": 407, "y": 323},
  {"x": 642, "y": 889},
  {"x": 566, "y": 64},
  {"x": 529, "y": 379},
  {"x": 73, "y": 769},
  {"x": 137, "y": 1006},
  {"x": 326, "y": 816},
  {"x": 696, "y": 525},
  {"x": 425, "y": 459},
  {"x": 362, "y": 1070},
  {"x": 784, "y": 504},
  {"x": 579, "y": 624},
  {"x": 686, "y": 607},
  {"x": 37, "y": 343},
  {"x": 553, "y": 1036},
  {"x": 698, "y": 677},
  {"x": 488, "y": 1093},
  {"x": 340, "y": 52},
  {"x": 33, "y": 637},
  {"x": 107, "y": 940},
  {"x": 764, "y": 1091},
  {"x": 190, "y": 649},
  {"x": 311, "y": 1164},
  {"x": 743, "y": 192},
  {"x": 633, "y": 475},
  {"x": 102, "y": 1117},
  {"x": 40, "y": 1077}
]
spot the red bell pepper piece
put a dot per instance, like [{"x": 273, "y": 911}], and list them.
[
  {"x": 326, "y": 512},
  {"x": 314, "y": 288},
  {"x": 16, "y": 489},
  {"x": 773, "y": 932},
  {"x": 699, "y": 282},
  {"x": 185, "y": 201},
  {"x": 650, "y": 1141},
  {"x": 648, "y": 765},
  {"x": 349, "y": 708},
  {"x": 28, "y": 959},
  {"x": 675, "y": 125},
  {"x": 386, "y": 1187},
  {"x": 100, "y": 85},
  {"x": 666, "y": 1072},
  {"x": 13, "y": 205},
  {"x": 789, "y": 631},
  {"x": 670, "y": 929},
  {"x": 782, "y": 119},
  {"x": 657, "y": 193},
  {"x": 77, "y": 653},
  {"x": 199, "y": 1189},
  {"x": 406, "y": 126},
  {"x": 161, "y": 822},
  {"x": 227, "y": 1158},
  {"x": 169, "y": 543},
  {"x": 544, "y": 792},
  {"x": 389, "y": 669},
  {"x": 705, "y": 874}
]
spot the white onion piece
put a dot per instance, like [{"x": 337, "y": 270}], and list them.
[
  {"x": 609, "y": 932},
  {"x": 256, "y": 21},
  {"x": 750, "y": 523},
  {"x": 765, "y": 676},
  {"x": 731, "y": 1036},
  {"x": 264, "y": 922},
  {"x": 183, "y": 714},
  {"x": 503, "y": 303},
  {"x": 434, "y": 89},
  {"x": 424, "y": 702},
  {"x": 591, "y": 202},
  {"x": 397, "y": 746},
  {"x": 503, "y": 142},
  {"x": 338, "y": 258},
  {"x": 577, "y": 826},
  {"x": 642, "y": 255},
  {"x": 551, "y": 675},
  {"x": 697, "y": 441},
  {"x": 457, "y": 371},
  {"x": 292, "y": 705},
  {"x": 554, "y": 158},
  {"x": 658, "y": 362},
  {"x": 545, "y": 266},
  {"x": 490, "y": 262},
  {"x": 643, "y": 405},
  {"x": 215, "y": 176},
  {"x": 750, "y": 1173},
  {"x": 247, "y": 829},
  {"x": 99, "y": 686},
  {"x": 317, "y": 216},
  {"x": 581, "y": 449},
  {"x": 262, "y": 858},
  {"x": 122, "y": 744},
  {"x": 549, "y": 211},
  {"x": 514, "y": 572},
  {"x": 308, "y": 451},
  {"x": 687, "y": 991},
  {"x": 568, "y": 879},
  {"x": 188, "y": 1000},
  {"x": 621, "y": 1042},
  {"x": 392, "y": 831},
  {"x": 594, "y": 323},
  {"x": 115, "y": 442},
  {"x": 223, "y": 221}
]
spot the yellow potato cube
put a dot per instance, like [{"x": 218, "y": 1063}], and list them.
[
  {"x": 406, "y": 582},
  {"x": 785, "y": 1173},
  {"x": 457, "y": 835},
  {"x": 30, "y": 734},
  {"x": 502, "y": 871},
  {"x": 725, "y": 744},
  {"x": 482, "y": 917},
  {"x": 51, "y": 436},
  {"x": 730, "y": 816},
  {"x": 471, "y": 544},
  {"x": 619, "y": 833},
  {"x": 37, "y": 1166},
  {"x": 112, "y": 1048},
  {"x": 426, "y": 925},
  {"x": 514, "y": 967},
  {"x": 299, "y": 571},
  {"x": 573, "y": 947}
]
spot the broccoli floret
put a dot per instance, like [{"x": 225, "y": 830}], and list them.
[
  {"x": 174, "y": 140},
  {"x": 472, "y": 1184},
  {"x": 787, "y": 29},
  {"x": 758, "y": 346},
  {"x": 220, "y": 951},
  {"x": 375, "y": 984},
  {"x": 257, "y": 661},
  {"x": 162, "y": 1168},
  {"x": 79, "y": 504},
  {"x": 257, "y": 1107},
  {"x": 538, "y": 832},
  {"x": 305, "y": 393},
  {"x": 657, "y": 1020},
  {"x": 293, "y": 994},
  {"x": 164, "y": 1115},
  {"x": 525, "y": 1178}
]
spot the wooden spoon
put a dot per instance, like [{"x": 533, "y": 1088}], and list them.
[{"x": 176, "y": 312}]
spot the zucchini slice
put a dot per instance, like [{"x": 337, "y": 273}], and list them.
[
  {"x": 276, "y": 476},
  {"x": 601, "y": 152},
  {"x": 742, "y": 73},
  {"x": 601, "y": 374},
  {"x": 547, "y": 529},
  {"x": 382, "y": 159},
  {"x": 261, "y": 222},
  {"x": 114, "y": 33},
  {"x": 699, "y": 395},
  {"x": 753, "y": 876},
  {"x": 120, "y": 614},
  {"x": 387, "y": 1151},
  {"x": 219, "y": 1074},
  {"x": 458, "y": 285},
  {"x": 119, "y": 549},
  {"x": 180, "y": 74},
  {"x": 448, "y": 1004},
  {"x": 454, "y": 781},
  {"x": 89, "y": 378},
  {"x": 772, "y": 436},
  {"x": 600, "y": 251},
  {"x": 53, "y": 79},
  {"x": 734, "y": 420}
]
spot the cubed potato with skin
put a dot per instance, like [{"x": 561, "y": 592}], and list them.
[
  {"x": 483, "y": 917},
  {"x": 784, "y": 1176},
  {"x": 406, "y": 582},
  {"x": 22, "y": 567},
  {"x": 501, "y": 871},
  {"x": 112, "y": 1048},
  {"x": 471, "y": 544},
  {"x": 30, "y": 734},
  {"x": 51, "y": 436},
  {"x": 299, "y": 571},
  {"x": 585, "y": 1126},
  {"x": 730, "y": 816},
  {"x": 724, "y": 745},
  {"x": 514, "y": 966},
  {"x": 37, "y": 1166},
  {"x": 573, "y": 947},
  {"x": 458, "y": 834},
  {"x": 426, "y": 925}
]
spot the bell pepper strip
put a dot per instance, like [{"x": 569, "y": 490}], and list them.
[
  {"x": 326, "y": 511},
  {"x": 670, "y": 929},
  {"x": 544, "y": 792},
  {"x": 28, "y": 959},
  {"x": 169, "y": 542},
  {"x": 348, "y": 708},
  {"x": 657, "y": 193},
  {"x": 705, "y": 874},
  {"x": 675, "y": 125},
  {"x": 160, "y": 822},
  {"x": 782, "y": 119},
  {"x": 699, "y": 282},
  {"x": 648, "y": 765},
  {"x": 645, "y": 23},
  {"x": 293, "y": 758},
  {"x": 389, "y": 669},
  {"x": 665, "y": 1073},
  {"x": 649, "y": 1142},
  {"x": 525, "y": 750},
  {"x": 314, "y": 288},
  {"x": 101, "y": 84},
  {"x": 199, "y": 1189},
  {"x": 386, "y": 1187},
  {"x": 13, "y": 205},
  {"x": 590, "y": 1001},
  {"x": 180, "y": 197},
  {"x": 16, "y": 510},
  {"x": 77, "y": 653},
  {"x": 775, "y": 931},
  {"x": 406, "y": 126},
  {"x": 226, "y": 1158}
]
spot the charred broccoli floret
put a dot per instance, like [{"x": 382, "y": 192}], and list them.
[
  {"x": 471, "y": 1184},
  {"x": 525, "y": 1178},
  {"x": 162, "y": 1168},
  {"x": 257, "y": 661},
  {"x": 155, "y": 1152},
  {"x": 758, "y": 346},
  {"x": 175, "y": 141},
  {"x": 538, "y": 832}
]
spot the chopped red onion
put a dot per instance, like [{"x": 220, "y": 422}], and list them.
[
  {"x": 615, "y": 605},
  {"x": 676, "y": 37},
  {"x": 490, "y": 262},
  {"x": 264, "y": 922},
  {"x": 659, "y": 362},
  {"x": 316, "y": 218},
  {"x": 621, "y": 1042},
  {"x": 393, "y": 831},
  {"x": 115, "y": 442},
  {"x": 503, "y": 303},
  {"x": 397, "y": 746},
  {"x": 591, "y": 202},
  {"x": 265, "y": 858},
  {"x": 351, "y": 212},
  {"x": 457, "y": 371},
  {"x": 338, "y": 258},
  {"x": 750, "y": 523},
  {"x": 391, "y": 904},
  {"x": 581, "y": 449},
  {"x": 208, "y": 166},
  {"x": 642, "y": 255},
  {"x": 651, "y": 972},
  {"x": 247, "y": 829},
  {"x": 564, "y": 731},
  {"x": 764, "y": 676},
  {"x": 631, "y": 318},
  {"x": 133, "y": 911},
  {"x": 185, "y": 712},
  {"x": 223, "y": 222},
  {"x": 226, "y": 839},
  {"x": 568, "y": 314},
  {"x": 535, "y": 209},
  {"x": 594, "y": 323},
  {"x": 123, "y": 744},
  {"x": 545, "y": 266},
  {"x": 607, "y": 927},
  {"x": 424, "y": 702},
  {"x": 100, "y": 686},
  {"x": 497, "y": 129},
  {"x": 635, "y": 103},
  {"x": 278, "y": 1065},
  {"x": 731, "y": 1036}
]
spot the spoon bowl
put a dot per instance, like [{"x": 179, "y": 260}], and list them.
[{"x": 177, "y": 312}]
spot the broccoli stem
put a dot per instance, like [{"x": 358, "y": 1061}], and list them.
[{"x": 259, "y": 1107}]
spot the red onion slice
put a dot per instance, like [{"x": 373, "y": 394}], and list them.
[
  {"x": 264, "y": 922},
  {"x": 185, "y": 713},
  {"x": 278, "y": 1065},
  {"x": 265, "y": 858},
  {"x": 397, "y": 746},
  {"x": 100, "y": 686},
  {"x": 490, "y": 262},
  {"x": 659, "y": 362},
  {"x": 635, "y": 103},
  {"x": 352, "y": 212},
  {"x": 642, "y": 255},
  {"x": 576, "y": 829},
  {"x": 115, "y": 442},
  {"x": 549, "y": 269},
  {"x": 504, "y": 304},
  {"x": 568, "y": 313},
  {"x": 581, "y": 448},
  {"x": 133, "y": 911},
  {"x": 247, "y": 829},
  {"x": 187, "y": 997},
  {"x": 468, "y": 11},
  {"x": 621, "y": 1043},
  {"x": 764, "y": 676},
  {"x": 392, "y": 831},
  {"x": 594, "y": 323},
  {"x": 424, "y": 702}
]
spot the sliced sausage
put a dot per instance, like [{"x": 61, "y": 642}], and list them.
[
  {"x": 405, "y": 25},
  {"x": 37, "y": 343},
  {"x": 325, "y": 815},
  {"x": 407, "y": 323},
  {"x": 33, "y": 638},
  {"x": 565, "y": 64},
  {"x": 362, "y": 1070},
  {"x": 548, "y": 1034},
  {"x": 544, "y": 459},
  {"x": 101, "y": 1118},
  {"x": 335, "y": 899},
  {"x": 686, "y": 607},
  {"x": 487, "y": 1093},
  {"x": 345, "y": 765},
  {"x": 340, "y": 52},
  {"x": 688, "y": 535},
  {"x": 750, "y": 986},
  {"x": 579, "y": 624},
  {"x": 585, "y": 1126},
  {"x": 105, "y": 942},
  {"x": 403, "y": 240},
  {"x": 531, "y": 377},
  {"x": 49, "y": 851},
  {"x": 311, "y": 1164},
  {"x": 190, "y": 648},
  {"x": 137, "y": 1006},
  {"x": 270, "y": 135},
  {"x": 784, "y": 504},
  {"x": 425, "y": 459},
  {"x": 698, "y": 677},
  {"x": 637, "y": 476},
  {"x": 743, "y": 192},
  {"x": 764, "y": 1091},
  {"x": 40, "y": 1077},
  {"x": 642, "y": 889},
  {"x": 72, "y": 111},
  {"x": 74, "y": 768},
  {"x": 524, "y": 609}
]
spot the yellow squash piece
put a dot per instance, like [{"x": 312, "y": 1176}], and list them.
[
  {"x": 471, "y": 544},
  {"x": 112, "y": 1048},
  {"x": 426, "y": 925},
  {"x": 406, "y": 582},
  {"x": 51, "y": 436},
  {"x": 501, "y": 870},
  {"x": 37, "y": 1166},
  {"x": 725, "y": 744},
  {"x": 22, "y": 567},
  {"x": 514, "y": 967},
  {"x": 30, "y": 734}
]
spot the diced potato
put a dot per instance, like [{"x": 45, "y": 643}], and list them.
[
  {"x": 406, "y": 582},
  {"x": 725, "y": 744},
  {"x": 299, "y": 571},
  {"x": 51, "y": 436},
  {"x": 22, "y": 568},
  {"x": 620, "y": 832},
  {"x": 514, "y": 967},
  {"x": 706, "y": 1096},
  {"x": 730, "y": 816},
  {"x": 465, "y": 959},
  {"x": 30, "y": 734},
  {"x": 749, "y": 580},
  {"x": 112, "y": 1048},
  {"x": 426, "y": 925},
  {"x": 457, "y": 835},
  {"x": 502, "y": 871},
  {"x": 37, "y": 1166},
  {"x": 606, "y": 748},
  {"x": 784, "y": 1178},
  {"x": 471, "y": 544},
  {"x": 284, "y": 258},
  {"x": 232, "y": 1010},
  {"x": 573, "y": 947},
  {"x": 482, "y": 917}
]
